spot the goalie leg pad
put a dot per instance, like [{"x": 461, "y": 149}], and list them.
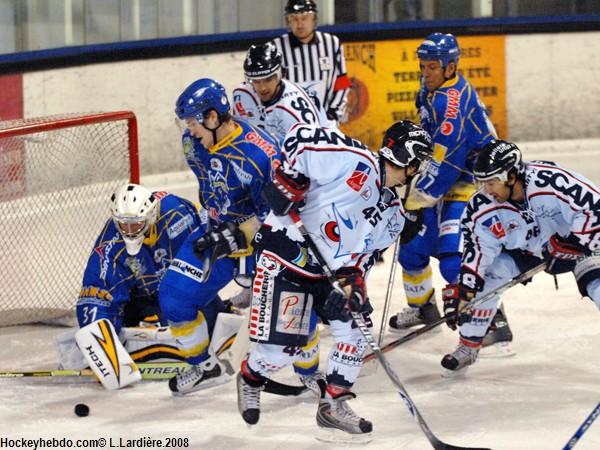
[
  {"x": 69, "y": 355},
  {"x": 106, "y": 355}
]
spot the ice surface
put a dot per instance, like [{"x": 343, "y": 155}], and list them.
[{"x": 533, "y": 400}]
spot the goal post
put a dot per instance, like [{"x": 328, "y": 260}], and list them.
[{"x": 56, "y": 177}]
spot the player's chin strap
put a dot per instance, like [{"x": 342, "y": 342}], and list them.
[{"x": 366, "y": 332}]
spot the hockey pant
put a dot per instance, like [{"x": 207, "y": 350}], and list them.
[
  {"x": 191, "y": 305},
  {"x": 440, "y": 237},
  {"x": 343, "y": 364}
]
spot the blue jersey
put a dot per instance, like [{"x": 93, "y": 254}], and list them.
[
  {"x": 458, "y": 124},
  {"x": 112, "y": 277},
  {"x": 232, "y": 173}
]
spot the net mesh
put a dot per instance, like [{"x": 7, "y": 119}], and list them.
[{"x": 56, "y": 177}]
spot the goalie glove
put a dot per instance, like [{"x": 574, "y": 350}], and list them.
[
  {"x": 227, "y": 238},
  {"x": 286, "y": 190},
  {"x": 561, "y": 254}
]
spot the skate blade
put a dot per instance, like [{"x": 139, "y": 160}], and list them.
[
  {"x": 212, "y": 382},
  {"x": 335, "y": 436},
  {"x": 450, "y": 374},
  {"x": 497, "y": 350}
]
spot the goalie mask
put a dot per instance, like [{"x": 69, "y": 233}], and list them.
[
  {"x": 406, "y": 143},
  {"x": 134, "y": 210}
]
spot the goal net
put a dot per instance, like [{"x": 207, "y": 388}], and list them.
[{"x": 56, "y": 177}]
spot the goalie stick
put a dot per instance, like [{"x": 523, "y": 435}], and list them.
[
  {"x": 583, "y": 428},
  {"x": 410, "y": 336},
  {"x": 360, "y": 323},
  {"x": 150, "y": 371}
]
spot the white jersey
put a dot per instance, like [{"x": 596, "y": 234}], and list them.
[
  {"x": 345, "y": 212},
  {"x": 556, "y": 201},
  {"x": 291, "y": 106}
]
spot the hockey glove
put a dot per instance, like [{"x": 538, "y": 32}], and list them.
[
  {"x": 456, "y": 298},
  {"x": 413, "y": 222},
  {"x": 561, "y": 254},
  {"x": 338, "y": 306},
  {"x": 286, "y": 190},
  {"x": 225, "y": 239}
]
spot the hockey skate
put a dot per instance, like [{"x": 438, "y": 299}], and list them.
[
  {"x": 410, "y": 317},
  {"x": 497, "y": 341},
  {"x": 211, "y": 372},
  {"x": 339, "y": 423},
  {"x": 248, "y": 400},
  {"x": 457, "y": 362},
  {"x": 315, "y": 383}
]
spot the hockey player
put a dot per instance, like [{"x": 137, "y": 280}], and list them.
[
  {"x": 121, "y": 281},
  {"x": 314, "y": 59},
  {"x": 451, "y": 111},
  {"x": 348, "y": 204},
  {"x": 524, "y": 211},
  {"x": 274, "y": 104},
  {"x": 232, "y": 161},
  {"x": 270, "y": 102}
]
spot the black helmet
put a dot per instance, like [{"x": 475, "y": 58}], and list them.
[
  {"x": 497, "y": 159},
  {"x": 262, "y": 61},
  {"x": 300, "y": 6},
  {"x": 406, "y": 143}
]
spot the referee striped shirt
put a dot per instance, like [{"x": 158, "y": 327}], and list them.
[{"x": 319, "y": 67}]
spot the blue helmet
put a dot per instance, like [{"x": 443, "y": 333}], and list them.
[
  {"x": 200, "y": 97},
  {"x": 439, "y": 47}
]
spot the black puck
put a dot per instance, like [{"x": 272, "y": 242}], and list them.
[{"x": 82, "y": 409}]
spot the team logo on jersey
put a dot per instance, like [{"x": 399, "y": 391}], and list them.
[
  {"x": 180, "y": 226},
  {"x": 452, "y": 107},
  {"x": 187, "y": 146},
  {"x": 261, "y": 143},
  {"x": 331, "y": 230},
  {"x": 366, "y": 194},
  {"x": 237, "y": 101},
  {"x": 359, "y": 177},
  {"x": 447, "y": 128},
  {"x": 216, "y": 164},
  {"x": 136, "y": 266},
  {"x": 495, "y": 226},
  {"x": 243, "y": 176},
  {"x": 159, "y": 254}
]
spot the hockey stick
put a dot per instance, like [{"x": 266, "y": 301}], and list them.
[
  {"x": 388, "y": 294},
  {"x": 360, "y": 323},
  {"x": 583, "y": 428},
  {"x": 410, "y": 336},
  {"x": 150, "y": 371}
]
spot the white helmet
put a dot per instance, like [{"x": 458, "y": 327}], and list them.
[{"x": 134, "y": 211}]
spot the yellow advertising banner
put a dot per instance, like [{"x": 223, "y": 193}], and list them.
[{"x": 385, "y": 80}]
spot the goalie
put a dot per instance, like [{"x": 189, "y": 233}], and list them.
[{"x": 120, "y": 286}]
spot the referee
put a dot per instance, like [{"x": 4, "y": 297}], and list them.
[{"x": 314, "y": 59}]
